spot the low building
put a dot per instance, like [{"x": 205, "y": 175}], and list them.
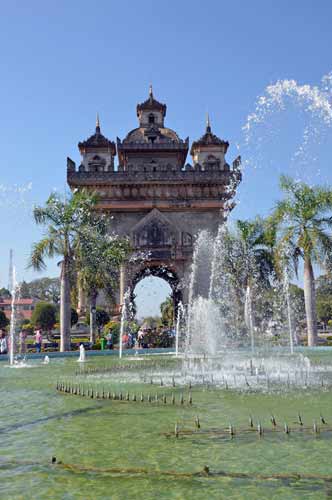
[{"x": 24, "y": 307}]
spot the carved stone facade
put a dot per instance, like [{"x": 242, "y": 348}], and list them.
[{"x": 154, "y": 196}]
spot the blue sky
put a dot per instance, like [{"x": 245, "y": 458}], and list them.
[{"x": 61, "y": 62}]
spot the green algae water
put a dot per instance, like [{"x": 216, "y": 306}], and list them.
[{"x": 124, "y": 449}]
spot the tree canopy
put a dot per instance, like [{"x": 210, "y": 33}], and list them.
[
  {"x": 45, "y": 289},
  {"x": 67, "y": 221},
  {"x": 44, "y": 316},
  {"x": 303, "y": 220},
  {"x": 5, "y": 293},
  {"x": 167, "y": 312},
  {"x": 4, "y": 321}
]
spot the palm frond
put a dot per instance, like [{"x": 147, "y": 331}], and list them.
[{"x": 44, "y": 248}]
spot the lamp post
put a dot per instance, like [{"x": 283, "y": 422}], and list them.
[{"x": 92, "y": 323}]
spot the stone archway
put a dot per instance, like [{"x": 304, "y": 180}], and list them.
[
  {"x": 159, "y": 271},
  {"x": 154, "y": 197}
]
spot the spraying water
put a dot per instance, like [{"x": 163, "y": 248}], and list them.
[
  {"x": 289, "y": 313},
  {"x": 82, "y": 355},
  {"x": 248, "y": 314},
  {"x": 12, "y": 330},
  {"x": 179, "y": 318},
  {"x": 124, "y": 314},
  {"x": 298, "y": 117}
]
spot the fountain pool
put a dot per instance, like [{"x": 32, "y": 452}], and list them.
[{"x": 127, "y": 449}]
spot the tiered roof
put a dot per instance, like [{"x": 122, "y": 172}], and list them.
[
  {"x": 151, "y": 104},
  {"x": 208, "y": 139},
  {"x": 96, "y": 141}
]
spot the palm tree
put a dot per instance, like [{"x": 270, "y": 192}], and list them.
[
  {"x": 245, "y": 263},
  {"x": 65, "y": 220},
  {"x": 256, "y": 245},
  {"x": 304, "y": 222},
  {"x": 257, "y": 241},
  {"x": 167, "y": 311},
  {"x": 99, "y": 257}
]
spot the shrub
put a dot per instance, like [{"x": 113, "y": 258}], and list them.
[
  {"x": 28, "y": 327},
  {"x": 24, "y": 321},
  {"x": 44, "y": 316},
  {"x": 3, "y": 320},
  {"x": 114, "y": 327}
]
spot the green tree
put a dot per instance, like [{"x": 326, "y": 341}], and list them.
[
  {"x": 323, "y": 285},
  {"x": 297, "y": 300},
  {"x": 324, "y": 308},
  {"x": 167, "y": 312},
  {"x": 99, "y": 259},
  {"x": 303, "y": 220},
  {"x": 3, "y": 320},
  {"x": 73, "y": 317},
  {"x": 246, "y": 267},
  {"x": 151, "y": 322},
  {"x": 5, "y": 293},
  {"x": 45, "y": 289},
  {"x": 102, "y": 317},
  {"x": 65, "y": 221},
  {"x": 44, "y": 316}
]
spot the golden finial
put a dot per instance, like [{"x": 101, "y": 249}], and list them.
[
  {"x": 150, "y": 90},
  {"x": 208, "y": 124},
  {"x": 97, "y": 121}
]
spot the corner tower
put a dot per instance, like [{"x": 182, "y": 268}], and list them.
[
  {"x": 209, "y": 151},
  {"x": 97, "y": 152}
]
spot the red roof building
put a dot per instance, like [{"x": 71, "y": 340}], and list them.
[{"x": 24, "y": 307}]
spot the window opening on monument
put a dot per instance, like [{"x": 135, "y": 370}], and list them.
[
  {"x": 150, "y": 292},
  {"x": 151, "y": 119}
]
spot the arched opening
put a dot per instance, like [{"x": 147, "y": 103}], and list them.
[
  {"x": 150, "y": 292},
  {"x": 151, "y": 286}
]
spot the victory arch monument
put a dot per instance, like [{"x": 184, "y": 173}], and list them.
[{"x": 154, "y": 196}]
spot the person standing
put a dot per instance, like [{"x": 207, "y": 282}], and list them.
[
  {"x": 39, "y": 340},
  {"x": 109, "y": 340},
  {"x": 3, "y": 343}
]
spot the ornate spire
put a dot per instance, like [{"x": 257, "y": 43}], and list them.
[
  {"x": 208, "y": 125},
  {"x": 208, "y": 139},
  {"x": 97, "y": 140},
  {"x": 97, "y": 124},
  {"x": 151, "y": 104}
]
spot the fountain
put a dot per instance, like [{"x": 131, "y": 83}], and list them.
[
  {"x": 124, "y": 314},
  {"x": 82, "y": 355},
  {"x": 225, "y": 321},
  {"x": 179, "y": 318},
  {"x": 231, "y": 346},
  {"x": 13, "y": 319},
  {"x": 249, "y": 317}
]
